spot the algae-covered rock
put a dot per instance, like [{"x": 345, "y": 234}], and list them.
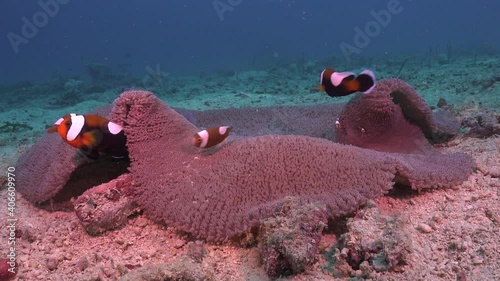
[
  {"x": 373, "y": 242},
  {"x": 289, "y": 241}
]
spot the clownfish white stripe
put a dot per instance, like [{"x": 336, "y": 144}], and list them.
[
  {"x": 204, "y": 138},
  {"x": 372, "y": 75},
  {"x": 223, "y": 129},
  {"x": 114, "y": 128},
  {"x": 321, "y": 77},
  {"x": 77, "y": 123},
  {"x": 338, "y": 77},
  {"x": 59, "y": 121}
]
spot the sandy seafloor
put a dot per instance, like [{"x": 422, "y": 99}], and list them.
[{"x": 461, "y": 238}]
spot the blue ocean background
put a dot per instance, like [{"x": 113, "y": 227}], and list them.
[{"x": 186, "y": 37}]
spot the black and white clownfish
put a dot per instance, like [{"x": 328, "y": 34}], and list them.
[
  {"x": 338, "y": 84},
  {"x": 92, "y": 134},
  {"x": 211, "y": 136}
]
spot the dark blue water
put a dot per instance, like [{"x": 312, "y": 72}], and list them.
[{"x": 59, "y": 37}]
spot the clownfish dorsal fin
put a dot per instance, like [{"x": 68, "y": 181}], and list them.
[{"x": 95, "y": 121}]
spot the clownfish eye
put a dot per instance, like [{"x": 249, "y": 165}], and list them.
[{"x": 68, "y": 124}]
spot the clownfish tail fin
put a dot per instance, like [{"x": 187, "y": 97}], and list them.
[{"x": 366, "y": 81}]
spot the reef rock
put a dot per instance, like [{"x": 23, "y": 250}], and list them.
[
  {"x": 289, "y": 241},
  {"x": 106, "y": 206}
]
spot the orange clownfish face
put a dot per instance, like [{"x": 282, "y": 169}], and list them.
[
  {"x": 211, "y": 136},
  {"x": 337, "y": 84},
  {"x": 69, "y": 128}
]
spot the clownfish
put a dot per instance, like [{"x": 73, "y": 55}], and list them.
[
  {"x": 337, "y": 84},
  {"x": 92, "y": 134},
  {"x": 211, "y": 136}
]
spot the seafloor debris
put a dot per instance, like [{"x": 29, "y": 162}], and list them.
[
  {"x": 197, "y": 251},
  {"x": 289, "y": 241},
  {"x": 182, "y": 268},
  {"x": 373, "y": 242},
  {"x": 106, "y": 206},
  {"x": 482, "y": 125},
  {"x": 11, "y": 127}
]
